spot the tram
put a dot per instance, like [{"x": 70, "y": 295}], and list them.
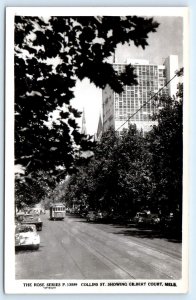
[{"x": 57, "y": 211}]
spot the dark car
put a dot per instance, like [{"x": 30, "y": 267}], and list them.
[
  {"x": 105, "y": 216},
  {"x": 155, "y": 219},
  {"x": 91, "y": 216},
  {"x": 31, "y": 219},
  {"x": 138, "y": 216},
  {"x": 147, "y": 219},
  {"x": 100, "y": 216}
]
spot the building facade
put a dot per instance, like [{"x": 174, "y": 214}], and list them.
[{"x": 118, "y": 108}]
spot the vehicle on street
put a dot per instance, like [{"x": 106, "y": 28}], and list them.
[
  {"x": 31, "y": 219},
  {"x": 146, "y": 219},
  {"x": 137, "y": 217},
  {"x": 57, "y": 211},
  {"x": 35, "y": 212},
  {"x": 19, "y": 216},
  {"x": 91, "y": 216},
  {"x": 155, "y": 219},
  {"x": 104, "y": 216},
  {"x": 99, "y": 216},
  {"x": 26, "y": 237}
]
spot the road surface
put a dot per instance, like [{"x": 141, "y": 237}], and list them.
[{"x": 75, "y": 249}]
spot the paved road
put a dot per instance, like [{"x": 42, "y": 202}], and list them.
[{"x": 75, "y": 249}]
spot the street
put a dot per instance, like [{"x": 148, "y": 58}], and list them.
[{"x": 75, "y": 249}]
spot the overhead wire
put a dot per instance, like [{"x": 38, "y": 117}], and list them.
[{"x": 178, "y": 73}]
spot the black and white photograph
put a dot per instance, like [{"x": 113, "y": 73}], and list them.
[{"x": 96, "y": 175}]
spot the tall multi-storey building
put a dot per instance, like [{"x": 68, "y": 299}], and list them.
[{"x": 118, "y": 108}]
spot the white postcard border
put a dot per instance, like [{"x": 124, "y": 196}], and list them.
[{"x": 84, "y": 286}]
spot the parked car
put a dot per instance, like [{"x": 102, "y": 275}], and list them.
[
  {"x": 26, "y": 237},
  {"x": 91, "y": 216},
  {"x": 32, "y": 219},
  {"x": 146, "y": 219},
  {"x": 138, "y": 216},
  {"x": 105, "y": 216},
  {"x": 19, "y": 216},
  {"x": 99, "y": 216},
  {"x": 155, "y": 219}
]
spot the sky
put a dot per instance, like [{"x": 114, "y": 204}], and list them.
[{"x": 167, "y": 40}]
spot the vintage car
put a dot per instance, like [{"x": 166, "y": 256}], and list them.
[
  {"x": 138, "y": 216},
  {"x": 148, "y": 220},
  {"x": 31, "y": 219},
  {"x": 26, "y": 237},
  {"x": 91, "y": 216}
]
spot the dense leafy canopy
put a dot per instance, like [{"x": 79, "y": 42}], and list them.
[
  {"x": 115, "y": 178},
  {"x": 136, "y": 171},
  {"x": 30, "y": 190},
  {"x": 50, "y": 55},
  {"x": 166, "y": 148},
  {"x": 125, "y": 174}
]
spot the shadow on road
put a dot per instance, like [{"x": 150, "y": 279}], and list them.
[
  {"x": 131, "y": 230},
  {"x": 150, "y": 234},
  {"x": 28, "y": 249}
]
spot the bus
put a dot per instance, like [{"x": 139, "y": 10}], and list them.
[{"x": 57, "y": 211}]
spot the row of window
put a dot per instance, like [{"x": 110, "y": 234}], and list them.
[
  {"x": 139, "y": 93},
  {"x": 137, "y": 117},
  {"x": 58, "y": 209},
  {"x": 143, "y": 70},
  {"x": 139, "y": 67},
  {"x": 132, "y": 101},
  {"x": 133, "y": 104},
  {"x": 133, "y": 91},
  {"x": 132, "y": 96},
  {"x": 132, "y": 110}
]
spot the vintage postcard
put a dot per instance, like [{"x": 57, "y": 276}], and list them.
[{"x": 97, "y": 136}]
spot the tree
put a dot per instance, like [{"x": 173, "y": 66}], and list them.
[
  {"x": 166, "y": 149},
  {"x": 133, "y": 172},
  {"x": 115, "y": 178},
  {"x": 31, "y": 190},
  {"x": 49, "y": 57}
]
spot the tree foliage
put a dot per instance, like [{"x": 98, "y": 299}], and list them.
[
  {"x": 133, "y": 172},
  {"x": 115, "y": 178},
  {"x": 32, "y": 189},
  {"x": 50, "y": 55},
  {"x": 166, "y": 149}
]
